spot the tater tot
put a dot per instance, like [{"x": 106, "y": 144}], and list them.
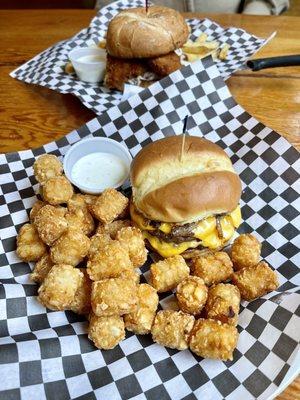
[
  {"x": 70, "y": 248},
  {"x": 113, "y": 228},
  {"x": 132, "y": 239},
  {"x": 35, "y": 209},
  {"x": 59, "y": 287},
  {"x": 110, "y": 262},
  {"x": 41, "y": 268},
  {"x": 81, "y": 303},
  {"x": 141, "y": 320},
  {"x": 57, "y": 190},
  {"x": 131, "y": 274},
  {"x": 212, "y": 339},
  {"x": 172, "y": 329},
  {"x": 245, "y": 251},
  {"x": 47, "y": 166},
  {"x": 29, "y": 246},
  {"x": 109, "y": 205},
  {"x": 79, "y": 200},
  {"x": 165, "y": 275},
  {"x": 106, "y": 332},
  {"x": 223, "y": 303},
  {"x": 81, "y": 219},
  {"x": 255, "y": 281},
  {"x": 213, "y": 268},
  {"x": 50, "y": 223},
  {"x": 98, "y": 241},
  {"x": 115, "y": 296},
  {"x": 191, "y": 295}
]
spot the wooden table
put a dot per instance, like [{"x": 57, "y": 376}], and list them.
[{"x": 31, "y": 115}]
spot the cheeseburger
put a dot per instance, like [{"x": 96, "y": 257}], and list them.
[
  {"x": 185, "y": 195},
  {"x": 141, "y": 46}
]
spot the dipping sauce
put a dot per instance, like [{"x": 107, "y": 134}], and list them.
[
  {"x": 99, "y": 170},
  {"x": 93, "y": 59}
]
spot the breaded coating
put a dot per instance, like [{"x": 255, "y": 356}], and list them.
[
  {"x": 109, "y": 206},
  {"x": 165, "y": 275},
  {"x": 41, "y": 268},
  {"x": 81, "y": 219},
  {"x": 115, "y": 296},
  {"x": 50, "y": 223},
  {"x": 164, "y": 65},
  {"x": 70, "y": 248},
  {"x": 191, "y": 295},
  {"x": 213, "y": 268},
  {"x": 98, "y": 242},
  {"x": 47, "y": 166},
  {"x": 223, "y": 303},
  {"x": 57, "y": 190},
  {"x": 212, "y": 339},
  {"x": 82, "y": 300},
  {"x": 172, "y": 329},
  {"x": 245, "y": 251},
  {"x": 29, "y": 246},
  {"x": 131, "y": 274},
  {"x": 58, "y": 290},
  {"x": 113, "y": 228},
  {"x": 110, "y": 262},
  {"x": 132, "y": 239},
  {"x": 106, "y": 332},
  {"x": 125, "y": 214},
  {"x": 255, "y": 281},
  {"x": 35, "y": 209},
  {"x": 79, "y": 200},
  {"x": 141, "y": 320}
]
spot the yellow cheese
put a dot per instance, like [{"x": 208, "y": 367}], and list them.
[
  {"x": 205, "y": 227},
  {"x": 165, "y": 227},
  {"x": 236, "y": 217},
  {"x": 169, "y": 249}
]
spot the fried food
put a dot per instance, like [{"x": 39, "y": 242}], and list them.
[
  {"x": 59, "y": 288},
  {"x": 245, "y": 251},
  {"x": 79, "y": 200},
  {"x": 41, "y": 268},
  {"x": 191, "y": 295},
  {"x": 132, "y": 239},
  {"x": 29, "y": 246},
  {"x": 115, "y": 296},
  {"x": 82, "y": 300},
  {"x": 35, "y": 209},
  {"x": 114, "y": 227},
  {"x": 106, "y": 332},
  {"x": 98, "y": 242},
  {"x": 131, "y": 274},
  {"x": 255, "y": 281},
  {"x": 165, "y": 65},
  {"x": 70, "y": 248},
  {"x": 213, "y": 268},
  {"x": 50, "y": 223},
  {"x": 81, "y": 219},
  {"x": 69, "y": 69},
  {"x": 109, "y": 206},
  {"x": 47, "y": 166},
  {"x": 172, "y": 329},
  {"x": 223, "y": 303},
  {"x": 165, "y": 275},
  {"x": 57, "y": 190},
  {"x": 212, "y": 339},
  {"x": 141, "y": 320}
]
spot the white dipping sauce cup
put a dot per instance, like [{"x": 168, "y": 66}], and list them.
[
  {"x": 86, "y": 71},
  {"x": 95, "y": 145}
]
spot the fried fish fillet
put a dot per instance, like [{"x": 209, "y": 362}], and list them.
[{"x": 165, "y": 65}]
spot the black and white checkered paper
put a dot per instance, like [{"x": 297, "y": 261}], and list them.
[
  {"x": 46, "y": 354},
  {"x": 47, "y": 68}
]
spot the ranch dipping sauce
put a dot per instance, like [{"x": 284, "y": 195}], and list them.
[
  {"x": 99, "y": 170},
  {"x": 92, "y": 59}
]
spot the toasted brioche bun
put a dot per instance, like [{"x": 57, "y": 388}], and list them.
[
  {"x": 182, "y": 184},
  {"x": 134, "y": 34}
]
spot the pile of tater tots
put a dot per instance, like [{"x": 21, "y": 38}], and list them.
[{"x": 88, "y": 256}]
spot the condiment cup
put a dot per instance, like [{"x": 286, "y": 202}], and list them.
[
  {"x": 95, "y": 145},
  {"x": 88, "y": 71}
]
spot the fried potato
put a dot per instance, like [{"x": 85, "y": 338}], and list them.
[
  {"x": 102, "y": 44},
  {"x": 81, "y": 219},
  {"x": 245, "y": 251},
  {"x": 29, "y": 245},
  {"x": 200, "y": 47},
  {"x": 172, "y": 329},
  {"x": 191, "y": 295},
  {"x": 69, "y": 69},
  {"x": 132, "y": 239},
  {"x": 212, "y": 268},
  {"x": 70, "y": 248},
  {"x": 224, "y": 52},
  {"x": 79, "y": 200},
  {"x": 98, "y": 242},
  {"x": 59, "y": 288},
  {"x": 109, "y": 206},
  {"x": 41, "y": 268},
  {"x": 114, "y": 227},
  {"x": 50, "y": 223},
  {"x": 131, "y": 274},
  {"x": 35, "y": 209},
  {"x": 81, "y": 303},
  {"x": 106, "y": 332},
  {"x": 47, "y": 166},
  {"x": 201, "y": 38},
  {"x": 57, "y": 190}
]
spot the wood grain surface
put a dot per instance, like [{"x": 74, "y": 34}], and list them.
[{"x": 31, "y": 116}]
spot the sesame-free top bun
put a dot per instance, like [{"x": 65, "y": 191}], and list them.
[
  {"x": 174, "y": 185},
  {"x": 134, "y": 34}
]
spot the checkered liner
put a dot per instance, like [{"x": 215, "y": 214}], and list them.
[
  {"x": 47, "y": 355},
  {"x": 47, "y": 68}
]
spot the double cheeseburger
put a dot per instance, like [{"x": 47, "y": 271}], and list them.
[
  {"x": 141, "y": 45},
  {"x": 185, "y": 195}
]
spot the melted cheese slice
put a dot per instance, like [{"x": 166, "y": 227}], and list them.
[{"x": 166, "y": 249}]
